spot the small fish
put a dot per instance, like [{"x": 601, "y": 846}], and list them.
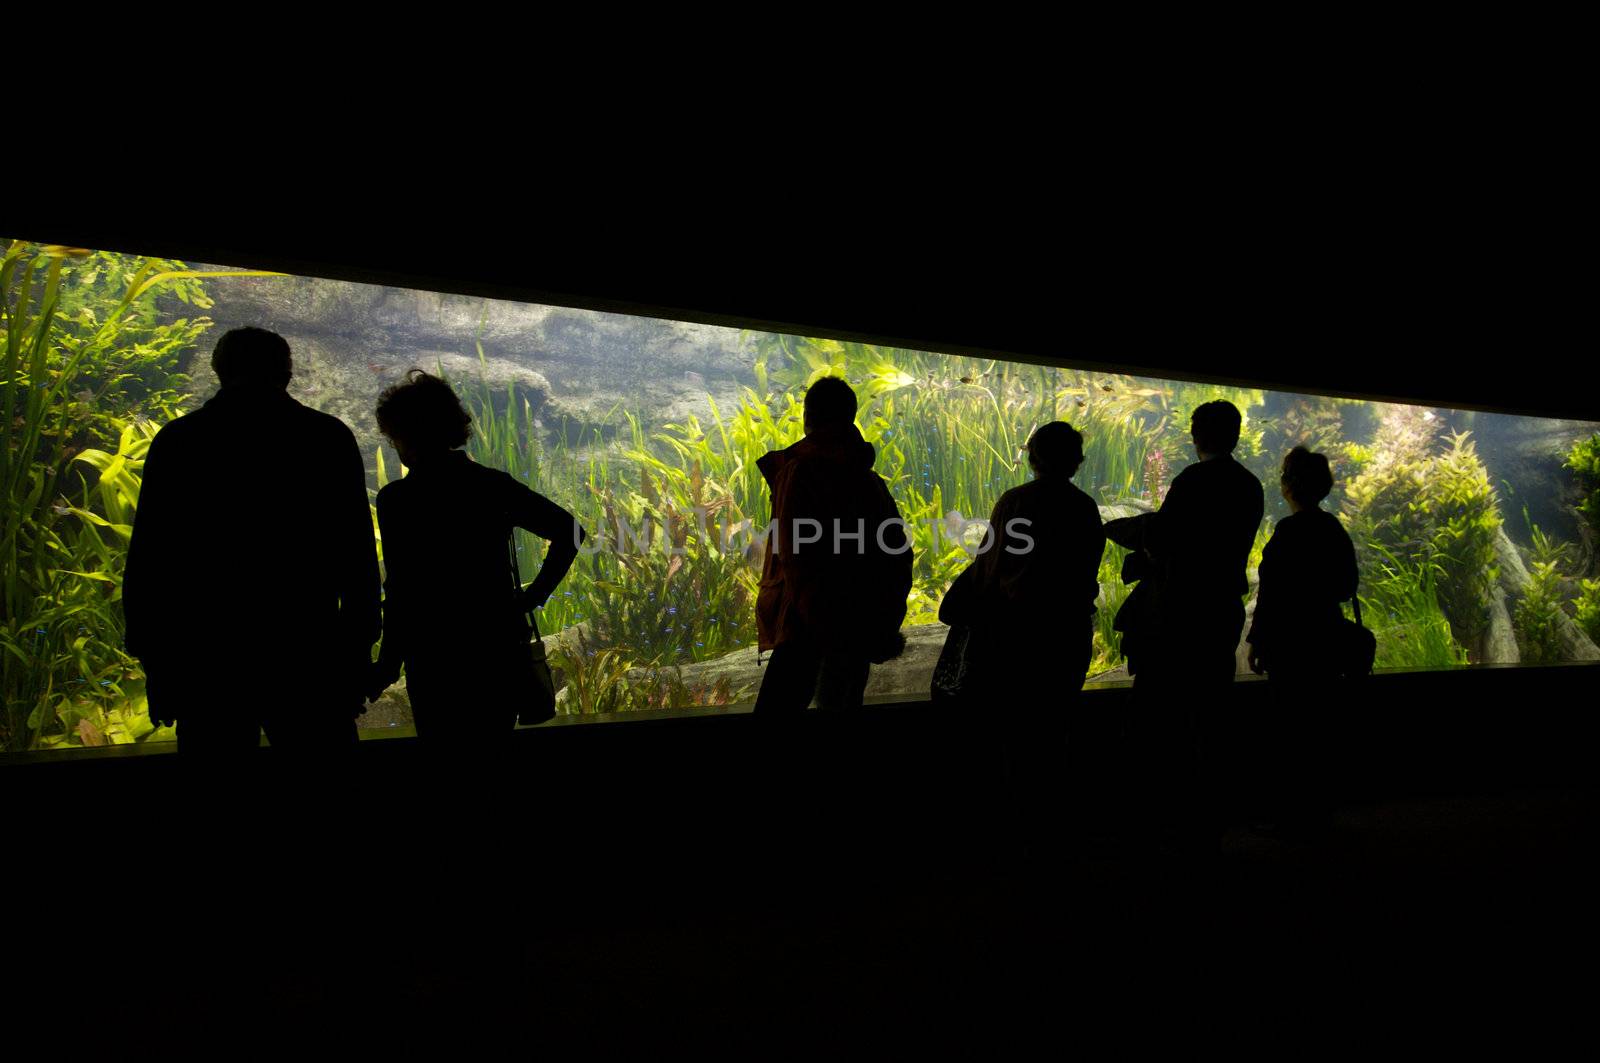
[
  {"x": 376, "y": 368},
  {"x": 84, "y": 396},
  {"x": 694, "y": 380},
  {"x": 1082, "y": 404},
  {"x": 970, "y": 379},
  {"x": 61, "y": 509},
  {"x": 1108, "y": 387}
]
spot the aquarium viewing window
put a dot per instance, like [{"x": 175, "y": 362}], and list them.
[{"x": 1475, "y": 531}]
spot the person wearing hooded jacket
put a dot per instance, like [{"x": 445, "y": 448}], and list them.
[{"x": 837, "y": 569}]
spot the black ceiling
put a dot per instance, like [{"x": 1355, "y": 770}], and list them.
[{"x": 1438, "y": 314}]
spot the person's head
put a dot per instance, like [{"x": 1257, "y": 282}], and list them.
[
  {"x": 1307, "y": 479},
  {"x": 252, "y": 357},
  {"x": 422, "y": 417},
  {"x": 1215, "y": 428},
  {"x": 830, "y": 401},
  {"x": 1055, "y": 449}
]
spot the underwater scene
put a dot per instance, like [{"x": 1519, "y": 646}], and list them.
[{"x": 1476, "y": 532}]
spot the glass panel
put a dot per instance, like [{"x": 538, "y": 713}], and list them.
[{"x": 1475, "y": 532}]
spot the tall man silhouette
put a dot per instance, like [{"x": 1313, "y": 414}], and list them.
[
  {"x": 1200, "y": 542},
  {"x": 1197, "y": 544},
  {"x": 251, "y": 589}
]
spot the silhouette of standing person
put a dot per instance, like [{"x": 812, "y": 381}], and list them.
[
  {"x": 1307, "y": 569},
  {"x": 1199, "y": 542},
  {"x": 1196, "y": 547},
  {"x": 1032, "y": 592},
  {"x": 251, "y": 586},
  {"x": 453, "y": 615},
  {"x": 837, "y": 568}
]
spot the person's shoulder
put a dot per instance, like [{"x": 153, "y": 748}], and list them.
[
  {"x": 1331, "y": 525},
  {"x": 183, "y": 426},
  {"x": 1020, "y": 494},
  {"x": 325, "y": 425},
  {"x": 487, "y": 476},
  {"x": 1082, "y": 499}
]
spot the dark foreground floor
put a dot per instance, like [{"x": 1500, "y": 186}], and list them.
[
  {"x": 1421, "y": 922},
  {"x": 851, "y": 888}
]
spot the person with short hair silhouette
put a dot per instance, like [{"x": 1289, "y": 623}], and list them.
[
  {"x": 1030, "y": 606},
  {"x": 1199, "y": 542},
  {"x": 251, "y": 585},
  {"x": 1307, "y": 568},
  {"x": 453, "y": 613},
  {"x": 1191, "y": 618},
  {"x": 1034, "y": 584},
  {"x": 837, "y": 568}
]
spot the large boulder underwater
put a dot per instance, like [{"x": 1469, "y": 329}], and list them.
[{"x": 578, "y": 369}]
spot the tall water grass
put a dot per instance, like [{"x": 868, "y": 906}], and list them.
[{"x": 1402, "y": 609}]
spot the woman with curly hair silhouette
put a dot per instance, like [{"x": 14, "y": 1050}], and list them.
[{"x": 454, "y": 613}]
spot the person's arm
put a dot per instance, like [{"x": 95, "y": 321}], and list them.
[{"x": 535, "y": 513}]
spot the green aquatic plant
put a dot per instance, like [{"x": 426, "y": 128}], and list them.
[
  {"x": 606, "y": 680},
  {"x": 1584, "y": 461},
  {"x": 594, "y": 680},
  {"x": 1432, "y": 509},
  {"x": 1538, "y": 616},
  {"x": 1401, "y": 607},
  {"x": 1107, "y": 652},
  {"x": 1586, "y": 608}
]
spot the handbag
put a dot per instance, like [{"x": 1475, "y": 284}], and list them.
[
  {"x": 1357, "y": 647},
  {"x": 532, "y": 684}
]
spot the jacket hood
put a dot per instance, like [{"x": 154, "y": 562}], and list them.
[{"x": 837, "y": 444}]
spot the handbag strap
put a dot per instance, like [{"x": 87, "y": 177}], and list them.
[{"x": 516, "y": 583}]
